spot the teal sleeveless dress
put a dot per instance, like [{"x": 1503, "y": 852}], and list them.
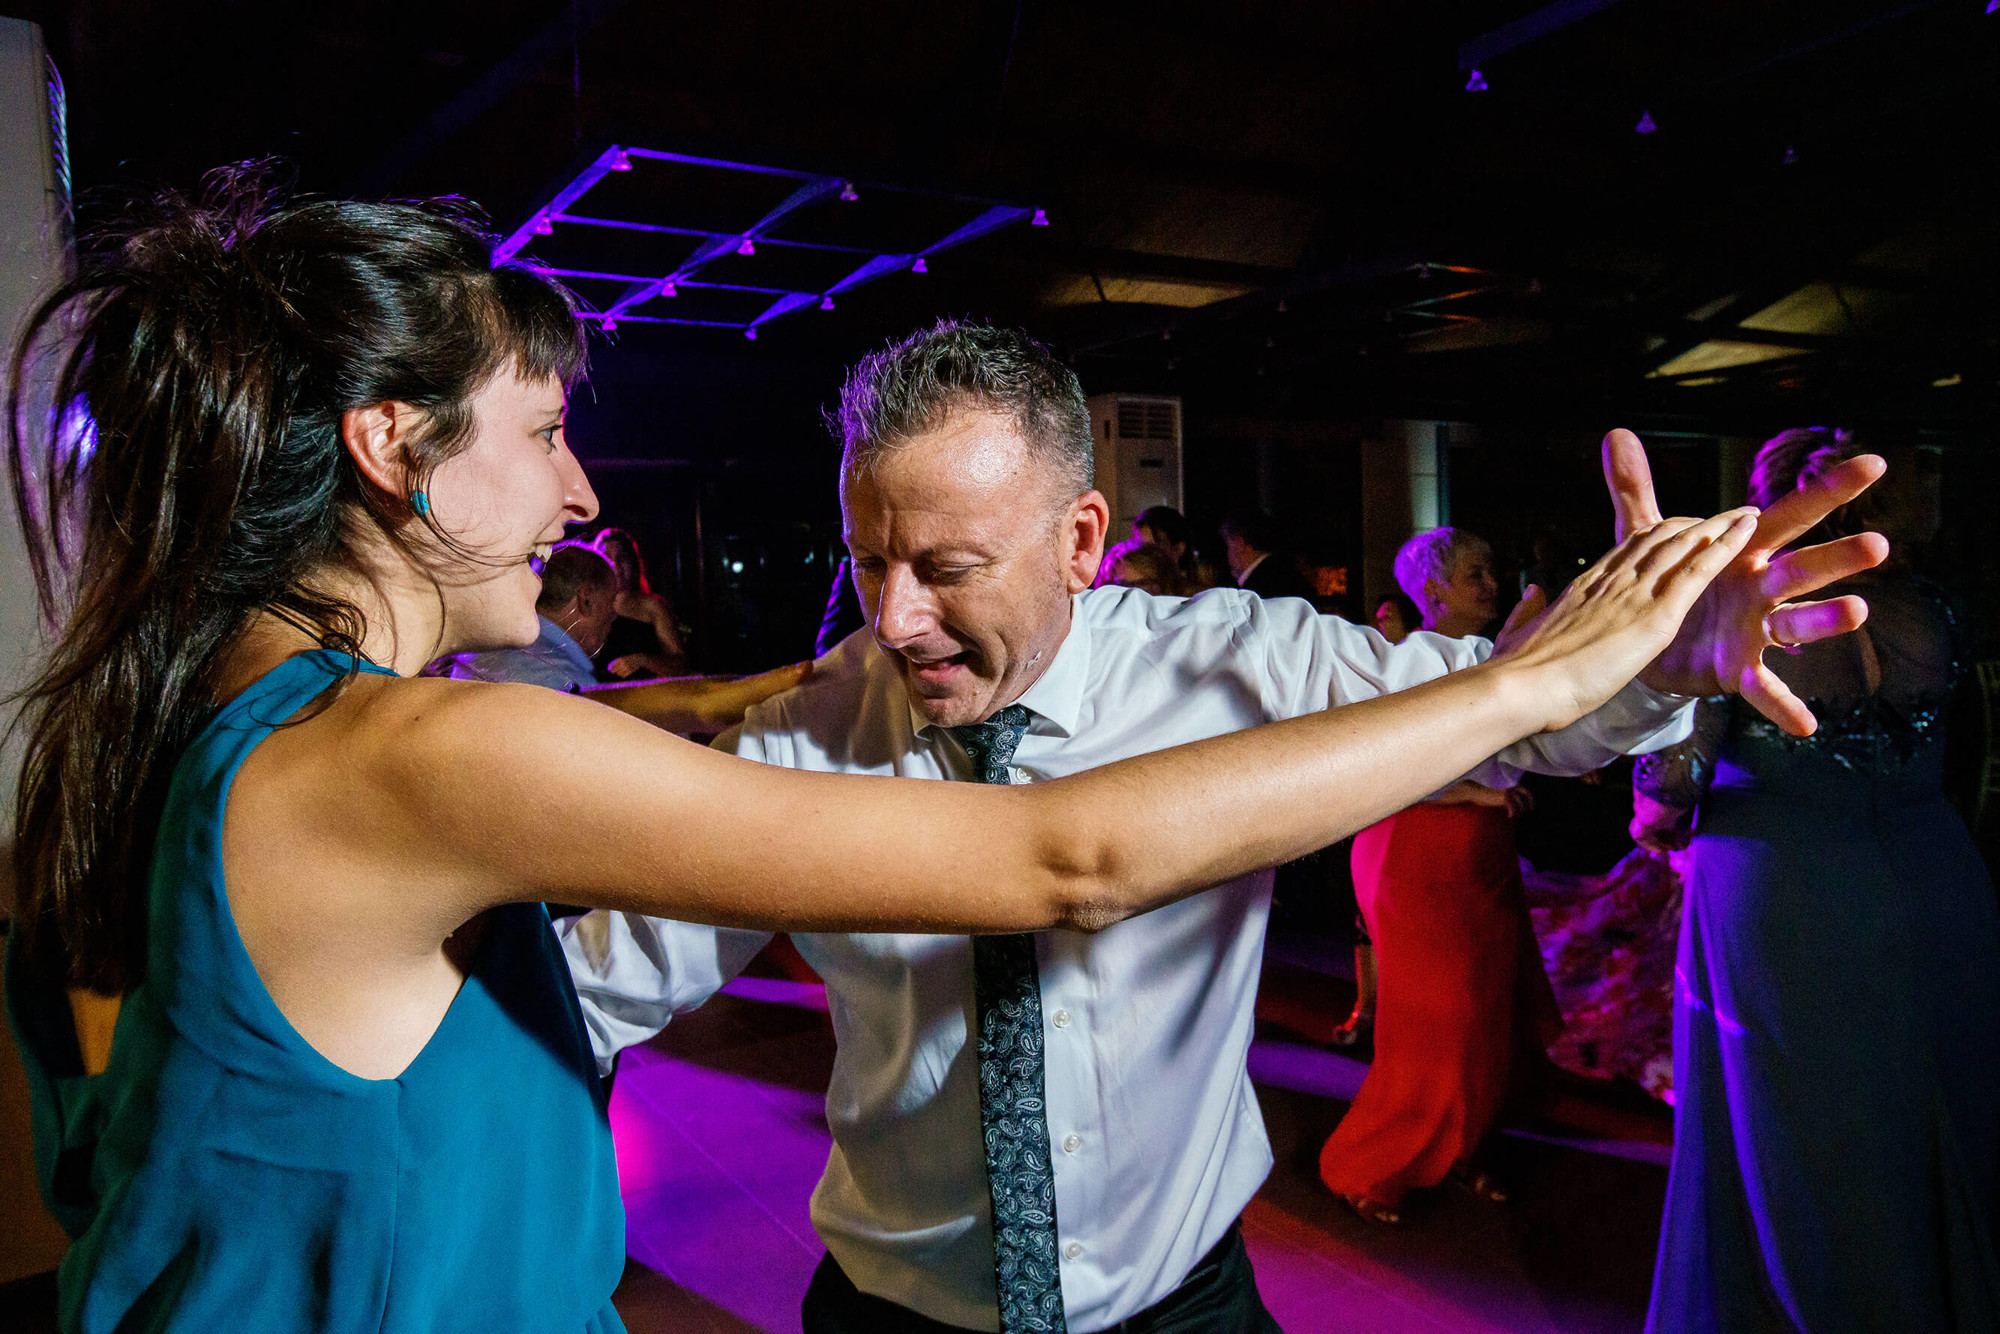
[{"x": 223, "y": 1175}]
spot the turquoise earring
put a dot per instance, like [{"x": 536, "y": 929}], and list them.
[{"x": 421, "y": 503}]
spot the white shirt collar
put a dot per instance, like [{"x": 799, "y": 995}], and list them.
[{"x": 1056, "y": 697}]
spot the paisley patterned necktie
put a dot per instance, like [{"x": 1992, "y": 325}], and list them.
[{"x": 1007, "y": 995}]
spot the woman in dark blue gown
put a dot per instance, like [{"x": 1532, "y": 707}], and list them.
[{"x": 1837, "y": 1007}]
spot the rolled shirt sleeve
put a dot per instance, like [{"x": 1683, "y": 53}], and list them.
[
  {"x": 1315, "y": 662},
  {"x": 634, "y": 973}
]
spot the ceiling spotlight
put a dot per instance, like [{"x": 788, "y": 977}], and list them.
[
  {"x": 621, "y": 162},
  {"x": 847, "y": 194},
  {"x": 1282, "y": 307},
  {"x": 751, "y": 333},
  {"x": 667, "y": 289},
  {"x": 543, "y": 227},
  {"x": 1645, "y": 125},
  {"x": 920, "y": 266},
  {"x": 746, "y": 247},
  {"x": 1041, "y": 218},
  {"x": 1476, "y": 84},
  {"x": 826, "y": 303},
  {"x": 1791, "y": 158},
  {"x": 608, "y": 325}
]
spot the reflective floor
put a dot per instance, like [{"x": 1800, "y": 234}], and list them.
[{"x": 721, "y": 1135}]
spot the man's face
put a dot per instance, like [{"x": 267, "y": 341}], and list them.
[
  {"x": 1240, "y": 555},
  {"x": 965, "y": 554},
  {"x": 589, "y": 619},
  {"x": 1471, "y": 596},
  {"x": 1152, "y": 536}
]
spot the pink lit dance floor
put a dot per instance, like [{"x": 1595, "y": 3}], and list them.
[{"x": 721, "y": 1136}]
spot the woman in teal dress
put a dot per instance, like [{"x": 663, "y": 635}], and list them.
[
  {"x": 303, "y": 1052},
  {"x": 1837, "y": 1006}
]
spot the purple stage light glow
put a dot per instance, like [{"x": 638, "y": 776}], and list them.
[
  {"x": 1645, "y": 125},
  {"x": 1041, "y": 218},
  {"x": 810, "y": 189},
  {"x": 1476, "y": 84}
]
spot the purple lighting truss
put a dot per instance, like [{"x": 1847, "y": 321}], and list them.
[{"x": 868, "y": 264}]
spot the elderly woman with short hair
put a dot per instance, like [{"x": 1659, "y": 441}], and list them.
[{"x": 1463, "y": 1007}]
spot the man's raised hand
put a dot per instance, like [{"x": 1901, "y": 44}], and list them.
[{"x": 1747, "y": 608}]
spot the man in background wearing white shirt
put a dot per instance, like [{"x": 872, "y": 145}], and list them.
[{"x": 1087, "y": 1092}]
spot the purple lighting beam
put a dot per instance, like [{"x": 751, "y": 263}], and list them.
[{"x": 710, "y": 246}]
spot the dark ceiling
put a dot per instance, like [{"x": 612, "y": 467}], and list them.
[{"x": 1274, "y": 206}]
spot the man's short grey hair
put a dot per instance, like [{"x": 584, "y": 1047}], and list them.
[
  {"x": 911, "y": 385},
  {"x": 1433, "y": 555}
]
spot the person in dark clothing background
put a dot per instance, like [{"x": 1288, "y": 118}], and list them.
[{"x": 1256, "y": 558}]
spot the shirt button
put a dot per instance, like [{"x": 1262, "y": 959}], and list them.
[
  {"x": 1071, "y": 1143},
  {"x": 1060, "y": 1018},
  {"x": 1073, "y": 1250}
]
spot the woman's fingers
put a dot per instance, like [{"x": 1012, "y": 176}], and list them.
[
  {"x": 1679, "y": 538},
  {"x": 1792, "y": 516},
  {"x": 1629, "y": 477},
  {"x": 1696, "y": 571},
  {"x": 1810, "y": 569},
  {"x": 1804, "y": 622}
]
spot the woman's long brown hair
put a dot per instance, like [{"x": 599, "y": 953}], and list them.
[{"x": 174, "y": 438}]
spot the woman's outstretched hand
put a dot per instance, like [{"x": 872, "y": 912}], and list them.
[
  {"x": 1622, "y": 613},
  {"x": 1719, "y": 648}
]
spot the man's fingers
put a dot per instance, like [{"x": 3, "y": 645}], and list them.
[
  {"x": 1532, "y": 604},
  {"x": 1810, "y": 569},
  {"x": 1763, "y": 691},
  {"x": 1629, "y": 478},
  {"x": 1804, "y": 622},
  {"x": 1790, "y": 517},
  {"x": 1521, "y": 621}
]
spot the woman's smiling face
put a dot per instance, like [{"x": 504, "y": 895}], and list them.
[{"x": 504, "y": 499}]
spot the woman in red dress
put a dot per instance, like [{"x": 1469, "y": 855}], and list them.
[{"x": 1464, "y": 1009}]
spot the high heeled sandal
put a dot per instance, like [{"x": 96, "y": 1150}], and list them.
[
  {"x": 1371, "y": 1210},
  {"x": 1479, "y": 1183}
]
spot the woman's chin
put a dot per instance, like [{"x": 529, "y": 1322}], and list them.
[{"x": 499, "y": 635}]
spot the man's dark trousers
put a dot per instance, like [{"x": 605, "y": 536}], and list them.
[{"x": 1219, "y": 1296}]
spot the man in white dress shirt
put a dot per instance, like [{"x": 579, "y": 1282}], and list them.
[{"x": 966, "y": 491}]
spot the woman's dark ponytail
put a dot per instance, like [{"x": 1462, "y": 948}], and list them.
[{"x": 174, "y": 417}]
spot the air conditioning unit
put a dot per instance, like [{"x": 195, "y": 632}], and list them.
[{"x": 1138, "y": 444}]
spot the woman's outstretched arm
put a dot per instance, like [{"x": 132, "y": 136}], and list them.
[{"x": 511, "y": 793}]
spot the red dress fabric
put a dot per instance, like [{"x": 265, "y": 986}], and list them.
[{"x": 1464, "y": 1011}]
